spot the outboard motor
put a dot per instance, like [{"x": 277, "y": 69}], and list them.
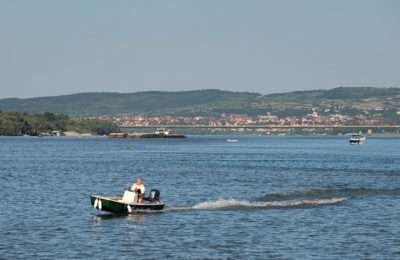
[{"x": 154, "y": 195}]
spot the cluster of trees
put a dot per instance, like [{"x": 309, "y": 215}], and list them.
[
  {"x": 15, "y": 124},
  {"x": 99, "y": 127}
]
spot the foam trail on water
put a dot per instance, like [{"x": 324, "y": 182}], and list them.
[
  {"x": 232, "y": 203},
  {"x": 296, "y": 199}
]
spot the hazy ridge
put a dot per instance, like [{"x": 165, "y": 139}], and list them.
[{"x": 211, "y": 102}]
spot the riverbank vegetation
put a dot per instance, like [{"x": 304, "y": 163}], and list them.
[{"x": 16, "y": 124}]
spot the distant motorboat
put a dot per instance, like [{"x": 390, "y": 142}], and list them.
[
  {"x": 230, "y": 140},
  {"x": 357, "y": 139}
]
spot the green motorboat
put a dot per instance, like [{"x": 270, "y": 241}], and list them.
[{"x": 127, "y": 204}]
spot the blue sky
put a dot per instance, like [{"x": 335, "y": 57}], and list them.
[{"x": 62, "y": 47}]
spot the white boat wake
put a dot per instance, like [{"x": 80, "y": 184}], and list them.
[
  {"x": 243, "y": 204},
  {"x": 232, "y": 203}
]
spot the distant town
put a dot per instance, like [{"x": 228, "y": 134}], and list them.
[
  {"x": 236, "y": 121},
  {"x": 332, "y": 111}
]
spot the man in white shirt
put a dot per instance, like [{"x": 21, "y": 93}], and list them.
[{"x": 138, "y": 188}]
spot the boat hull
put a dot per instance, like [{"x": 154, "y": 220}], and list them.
[
  {"x": 356, "y": 139},
  {"x": 117, "y": 206}
]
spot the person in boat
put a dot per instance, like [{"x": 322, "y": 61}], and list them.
[{"x": 138, "y": 188}]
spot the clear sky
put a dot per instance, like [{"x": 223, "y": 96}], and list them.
[{"x": 61, "y": 47}]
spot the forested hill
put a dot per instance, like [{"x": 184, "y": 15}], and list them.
[
  {"x": 151, "y": 102},
  {"x": 207, "y": 102}
]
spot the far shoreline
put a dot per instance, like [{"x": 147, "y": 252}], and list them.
[{"x": 91, "y": 135}]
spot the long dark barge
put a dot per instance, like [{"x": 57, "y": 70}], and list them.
[{"x": 159, "y": 133}]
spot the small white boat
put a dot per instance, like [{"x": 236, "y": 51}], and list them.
[
  {"x": 357, "y": 139},
  {"x": 229, "y": 140}
]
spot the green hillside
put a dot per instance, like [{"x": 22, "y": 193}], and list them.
[
  {"x": 209, "y": 102},
  {"x": 152, "y": 102}
]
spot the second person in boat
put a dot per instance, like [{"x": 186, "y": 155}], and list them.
[{"x": 138, "y": 188}]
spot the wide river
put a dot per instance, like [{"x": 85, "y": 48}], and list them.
[{"x": 258, "y": 198}]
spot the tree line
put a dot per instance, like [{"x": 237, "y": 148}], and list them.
[{"x": 16, "y": 124}]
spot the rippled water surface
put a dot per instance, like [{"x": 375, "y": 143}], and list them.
[{"x": 261, "y": 197}]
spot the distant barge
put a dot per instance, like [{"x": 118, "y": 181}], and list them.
[{"x": 159, "y": 133}]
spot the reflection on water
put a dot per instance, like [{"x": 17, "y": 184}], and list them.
[{"x": 139, "y": 217}]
